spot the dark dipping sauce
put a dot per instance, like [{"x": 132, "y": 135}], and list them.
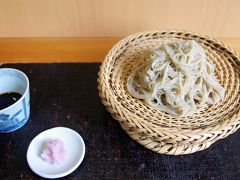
[{"x": 7, "y": 99}]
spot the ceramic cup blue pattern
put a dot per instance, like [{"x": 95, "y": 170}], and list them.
[{"x": 16, "y": 115}]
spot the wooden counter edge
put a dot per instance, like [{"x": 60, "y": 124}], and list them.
[{"x": 43, "y": 50}]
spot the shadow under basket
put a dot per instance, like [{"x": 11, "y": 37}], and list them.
[{"x": 157, "y": 130}]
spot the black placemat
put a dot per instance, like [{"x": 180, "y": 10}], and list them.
[{"x": 66, "y": 95}]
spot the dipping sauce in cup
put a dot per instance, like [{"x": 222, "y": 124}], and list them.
[{"x": 14, "y": 99}]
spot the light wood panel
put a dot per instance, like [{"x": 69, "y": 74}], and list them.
[
  {"x": 64, "y": 18},
  {"x": 65, "y": 49}
]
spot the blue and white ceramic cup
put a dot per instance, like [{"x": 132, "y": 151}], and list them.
[{"x": 16, "y": 115}]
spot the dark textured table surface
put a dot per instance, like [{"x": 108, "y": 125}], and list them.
[{"x": 66, "y": 95}]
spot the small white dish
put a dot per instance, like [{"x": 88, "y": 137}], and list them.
[{"x": 73, "y": 145}]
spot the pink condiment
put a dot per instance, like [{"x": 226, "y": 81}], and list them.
[{"x": 54, "y": 152}]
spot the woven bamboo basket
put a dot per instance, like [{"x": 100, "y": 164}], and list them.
[{"x": 157, "y": 130}]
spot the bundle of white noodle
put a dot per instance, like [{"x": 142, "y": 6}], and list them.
[{"x": 176, "y": 78}]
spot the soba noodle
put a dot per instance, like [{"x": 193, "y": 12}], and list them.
[{"x": 176, "y": 78}]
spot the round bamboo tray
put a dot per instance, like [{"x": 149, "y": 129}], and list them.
[{"x": 157, "y": 130}]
